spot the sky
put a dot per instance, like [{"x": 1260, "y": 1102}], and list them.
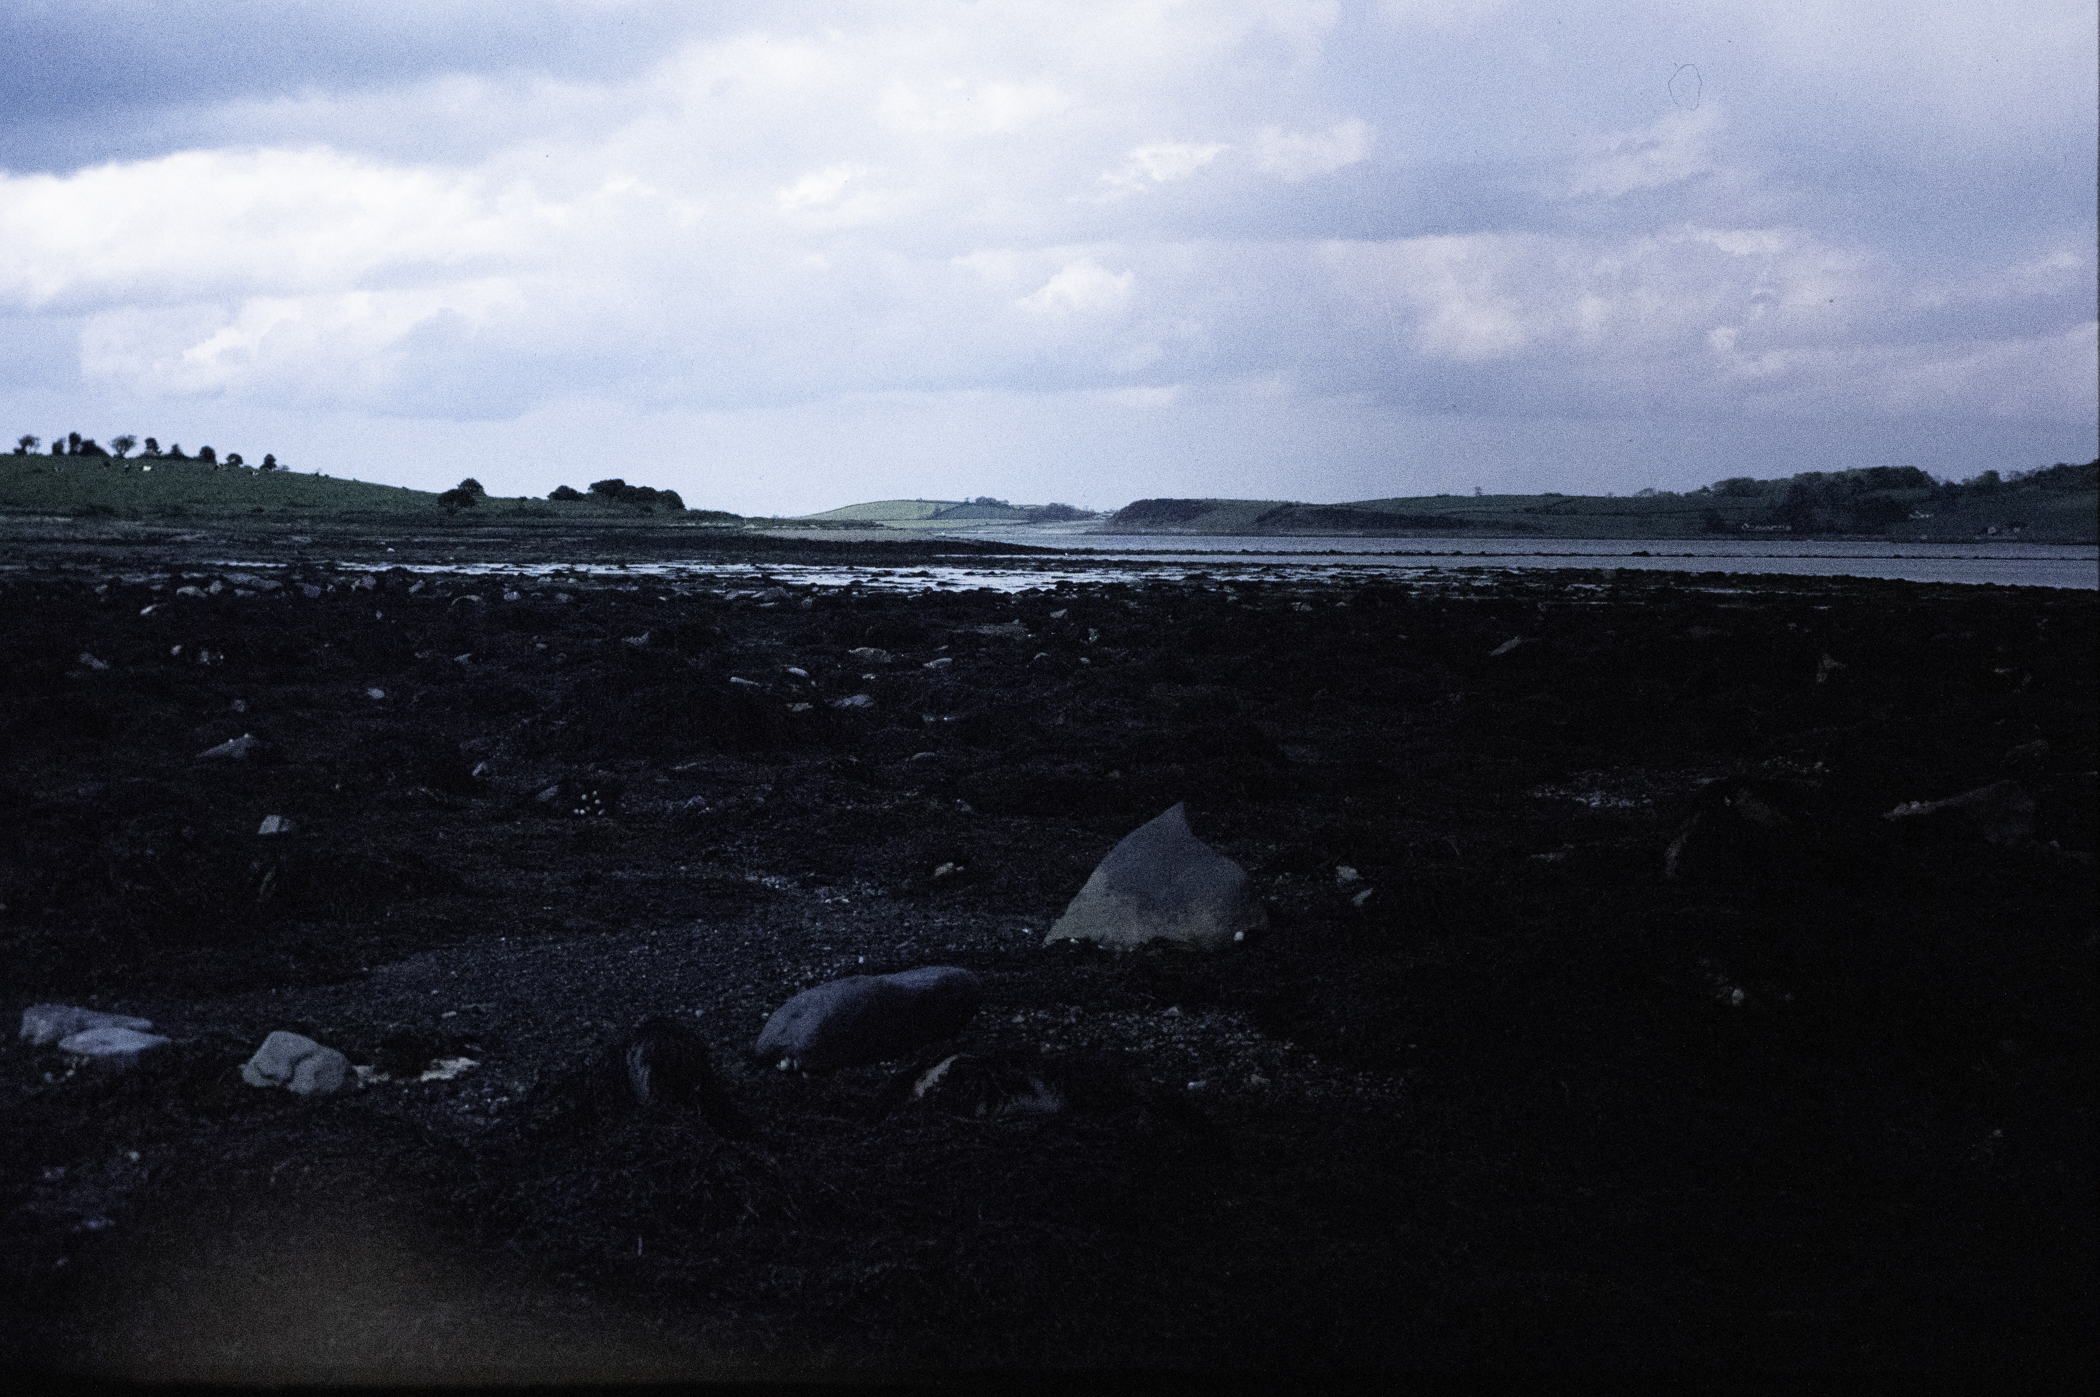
[{"x": 786, "y": 257}]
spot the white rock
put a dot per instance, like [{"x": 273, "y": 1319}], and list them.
[
  {"x": 48, "y": 1023},
  {"x": 1162, "y": 881},
  {"x": 277, "y": 824},
  {"x": 112, "y": 1046},
  {"x": 854, "y": 701},
  {"x": 239, "y": 749}
]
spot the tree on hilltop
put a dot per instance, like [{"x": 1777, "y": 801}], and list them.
[
  {"x": 122, "y": 445},
  {"x": 564, "y": 492},
  {"x": 152, "y": 447},
  {"x": 611, "y": 489},
  {"x": 205, "y": 453},
  {"x": 25, "y": 444},
  {"x": 269, "y": 461}
]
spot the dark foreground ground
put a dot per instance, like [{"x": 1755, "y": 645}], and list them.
[{"x": 1824, "y": 1099}]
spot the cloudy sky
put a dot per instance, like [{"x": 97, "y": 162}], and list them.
[{"x": 782, "y": 257}]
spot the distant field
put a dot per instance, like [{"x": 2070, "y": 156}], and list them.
[
  {"x": 163, "y": 489},
  {"x": 2047, "y": 517}
]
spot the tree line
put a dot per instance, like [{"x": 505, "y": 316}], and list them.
[{"x": 120, "y": 447}]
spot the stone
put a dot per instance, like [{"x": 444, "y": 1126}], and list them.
[
  {"x": 297, "y": 1063},
  {"x": 869, "y": 655},
  {"x": 48, "y": 1023},
  {"x": 92, "y": 663},
  {"x": 277, "y": 824},
  {"x": 2000, "y": 813},
  {"x": 112, "y": 1046},
  {"x": 854, "y": 701},
  {"x": 869, "y": 1018},
  {"x": 1163, "y": 882},
  {"x": 243, "y": 748}
]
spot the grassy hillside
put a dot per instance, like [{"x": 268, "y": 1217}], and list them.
[
  {"x": 884, "y": 511},
  {"x": 2057, "y": 505},
  {"x": 165, "y": 489}
]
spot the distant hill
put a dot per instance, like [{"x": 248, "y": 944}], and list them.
[
  {"x": 2057, "y": 504},
  {"x": 943, "y": 514},
  {"x": 175, "y": 488}
]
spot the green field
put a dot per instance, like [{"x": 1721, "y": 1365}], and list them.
[
  {"x": 2060, "y": 505},
  {"x": 164, "y": 489}
]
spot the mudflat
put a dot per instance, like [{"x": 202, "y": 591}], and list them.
[{"x": 1602, "y": 1015}]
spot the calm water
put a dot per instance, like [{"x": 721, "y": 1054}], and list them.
[{"x": 1143, "y": 558}]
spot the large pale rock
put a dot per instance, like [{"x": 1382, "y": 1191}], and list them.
[
  {"x": 112, "y": 1046},
  {"x": 47, "y": 1023},
  {"x": 869, "y": 1018},
  {"x": 298, "y": 1064},
  {"x": 1162, "y": 881}
]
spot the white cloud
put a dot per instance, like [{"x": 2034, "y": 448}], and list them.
[
  {"x": 1671, "y": 149},
  {"x": 1083, "y": 287},
  {"x": 1300, "y": 156},
  {"x": 1161, "y": 162}
]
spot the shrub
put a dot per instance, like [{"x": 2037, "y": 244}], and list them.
[
  {"x": 1055, "y": 513},
  {"x": 471, "y": 486},
  {"x": 88, "y": 447},
  {"x": 610, "y": 489},
  {"x": 152, "y": 447},
  {"x": 457, "y": 499},
  {"x": 58, "y": 448},
  {"x": 564, "y": 492},
  {"x": 269, "y": 461},
  {"x": 205, "y": 453},
  {"x": 175, "y": 451},
  {"x": 26, "y": 444},
  {"x": 233, "y": 458}
]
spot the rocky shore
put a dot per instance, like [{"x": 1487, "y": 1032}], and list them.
[{"x": 1639, "y": 977}]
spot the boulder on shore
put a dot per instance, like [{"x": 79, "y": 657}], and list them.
[
  {"x": 111, "y": 1046},
  {"x": 1162, "y": 882},
  {"x": 869, "y": 1018},
  {"x": 48, "y": 1023},
  {"x": 298, "y": 1064}
]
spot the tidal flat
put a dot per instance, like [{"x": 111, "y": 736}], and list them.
[{"x": 1603, "y": 1015}]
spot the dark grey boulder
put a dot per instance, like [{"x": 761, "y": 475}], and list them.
[
  {"x": 1163, "y": 882},
  {"x": 869, "y": 1018}
]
